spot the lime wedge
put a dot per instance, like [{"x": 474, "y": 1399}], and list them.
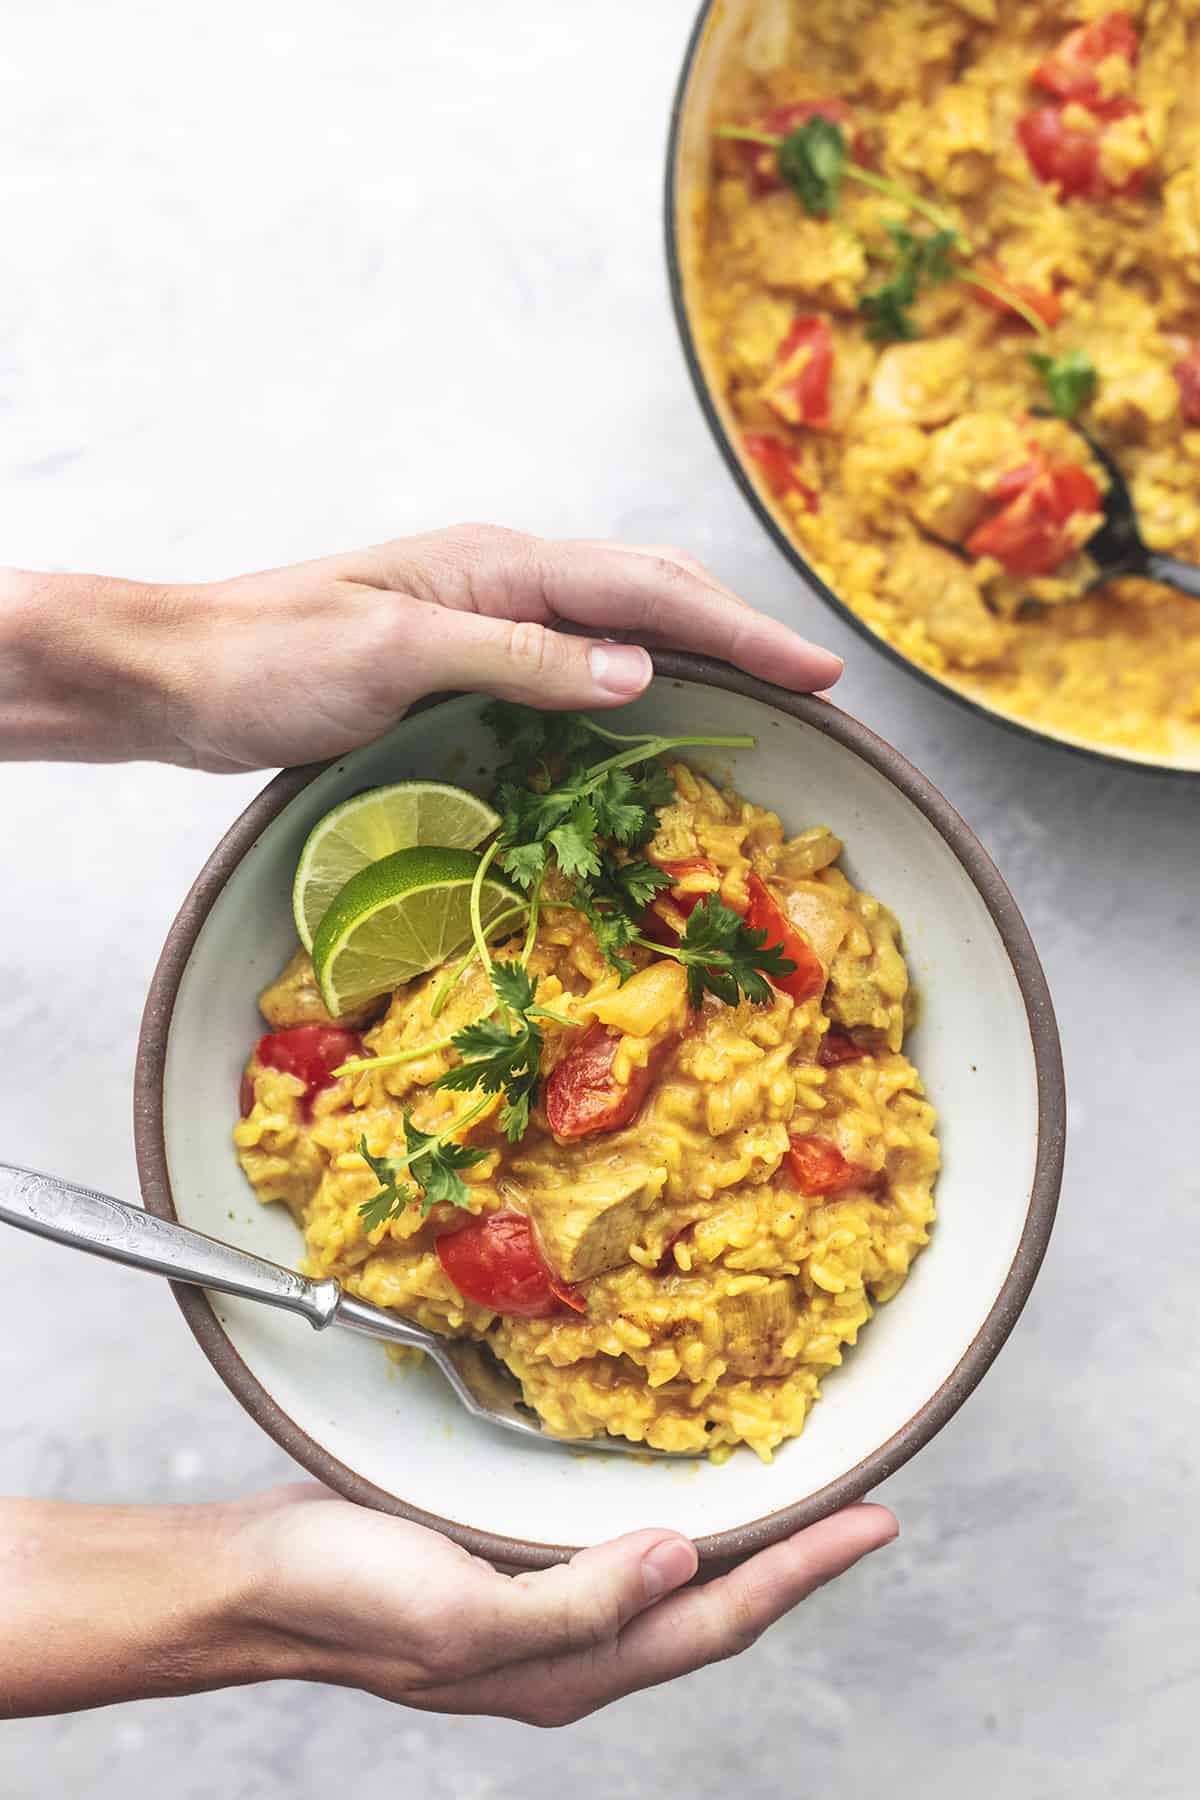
[
  {"x": 371, "y": 826},
  {"x": 396, "y": 919}
]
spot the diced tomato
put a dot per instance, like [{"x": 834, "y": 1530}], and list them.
[
  {"x": 762, "y": 160},
  {"x": 1071, "y": 71},
  {"x": 802, "y": 398},
  {"x": 1187, "y": 374},
  {"x": 1069, "y": 159},
  {"x": 764, "y": 913},
  {"x": 246, "y": 1094},
  {"x": 837, "y": 1048},
  {"x": 778, "y": 464},
  {"x": 1028, "y": 535},
  {"x": 820, "y": 1168},
  {"x": 311, "y": 1052},
  {"x": 582, "y": 1096},
  {"x": 1047, "y": 306},
  {"x": 495, "y": 1263}
]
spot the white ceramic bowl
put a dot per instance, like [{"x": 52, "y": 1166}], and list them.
[{"x": 986, "y": 1045}]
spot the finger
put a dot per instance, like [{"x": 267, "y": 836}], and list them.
[
  {"x": 616, "y": 588},
  {"x": 580, "y": 1606},
  {"x": 665, "y": 553},
  {"x": 518, "y": 659}
]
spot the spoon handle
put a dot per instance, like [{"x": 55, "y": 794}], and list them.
[
  {"x": 85, "y": 1220},
  {"x": 1183, "y": 577}
]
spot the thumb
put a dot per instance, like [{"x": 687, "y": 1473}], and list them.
[
  {"x": 524, "y": 661},
  {"x": 586, "y": 1603}
]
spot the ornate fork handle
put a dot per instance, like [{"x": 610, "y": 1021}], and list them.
[{"x": 85, "y": 1220}]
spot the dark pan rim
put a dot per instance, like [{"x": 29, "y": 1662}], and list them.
[
  {"x": 768, "y": 520},
  {"x": 721, "y": 1548}
]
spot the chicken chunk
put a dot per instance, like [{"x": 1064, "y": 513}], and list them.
[
  {"x": 935, "y": 586},
  {"x": 293, "y": 999},
  {"x": 964, "y": 462},
  {"x": 925, "y": 383},
  {"x": 588, "y": 1205},
  {"x": 754, "y": 1325}
]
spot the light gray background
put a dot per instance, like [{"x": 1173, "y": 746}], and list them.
[{"x": 285, "y": 278}]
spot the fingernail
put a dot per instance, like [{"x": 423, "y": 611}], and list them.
[
  {"x": 667, "y": 1566},
  {"x": 620, "y": 668},
  {"x": 828, "y": 668}
]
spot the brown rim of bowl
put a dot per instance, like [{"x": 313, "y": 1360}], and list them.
[
  {"x": 726, "y": 1546},
  {"x": 766, "y": 517}
]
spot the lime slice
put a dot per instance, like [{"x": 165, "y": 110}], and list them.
[
  {"x": 371, "y": 826},
  {"x": 397, "y": 918}
]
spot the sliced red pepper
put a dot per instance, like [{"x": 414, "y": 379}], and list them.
[
  {"x": 1187, "y": 374},
  {"x": 1028, "y": 535},
  {"x": 803, "y": 398},
  {"x": 778, "y": 464},
  {"x": 495, "y": 1262},
  {"x": 1048, "y": 306},
  {"x": 310, "y": 1052},
  {"x": 1068, "y": 159},
  {"x": 762, "y": 160},
  {"x": 820, "y": 1168},
  {"x": 764, "y": 913},
  {"x": 1071, "y": 71},
  {"x": 836, "y": 1048},
  {"x": 582, "y": 1095}
]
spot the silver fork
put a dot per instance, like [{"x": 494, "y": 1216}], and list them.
[{"x": 85, "y": 1220}]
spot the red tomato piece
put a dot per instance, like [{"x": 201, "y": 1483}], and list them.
[
  {"x": 778, "y": 464},
  {"x": 495, "y": 1263},
  {"x": 1187, "y": 374},
  {"x": 1071, "y": 71},
  {"x": 764, "y": 913},
  {"x": 1028, "y": 535},
  {"x": 820, "y": 1168},
  {"x": 1069, "y": 159},
  {"x": 837, "y": 1048},
  {"x": 803, "y": 399},
  {"x": 762, "y": 160},
  {"x": 311, "y": 1052},
  {"x": 1047, "y": 306},
  {"x": 246, "y": 1095},
  {"x": 582, "y": 1096}
]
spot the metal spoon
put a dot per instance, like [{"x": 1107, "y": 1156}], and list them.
[
  {"x": 1118, "y": 548},
  {"x": 85, "y": 1220}
]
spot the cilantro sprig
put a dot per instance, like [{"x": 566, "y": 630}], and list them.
[
  {"x": 505, "y": 1058},
  {"x": 427, "y": 1174},
  {"x": 927, "y": 260},
  {"x": 725, "y": 956}
]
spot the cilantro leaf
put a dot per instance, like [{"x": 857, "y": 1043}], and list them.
[
  {"x": 1070, "y": 380},
  {"x": 927, "y": 259},
  {"x": 575, "y": 841},
  {"x": 514, "y": 986},
  {"x": 432, "y": 1163},
  {"x": 393, "y": 1196},
  {"x": 812, "y": 160},
  {"x": 726, "y": 957}
]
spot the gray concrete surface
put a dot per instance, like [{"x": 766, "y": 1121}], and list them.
[{"x": 281, "y": 279}]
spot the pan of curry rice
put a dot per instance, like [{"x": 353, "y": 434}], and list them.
[{"x": 914, "y": 244}]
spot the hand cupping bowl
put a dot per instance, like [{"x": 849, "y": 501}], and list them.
[{"x": 985, "y": 1042}]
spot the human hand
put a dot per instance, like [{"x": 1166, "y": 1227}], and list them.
[
  {"x": 362, "y": 1600},
  {"x": 302, "y": 663}
]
